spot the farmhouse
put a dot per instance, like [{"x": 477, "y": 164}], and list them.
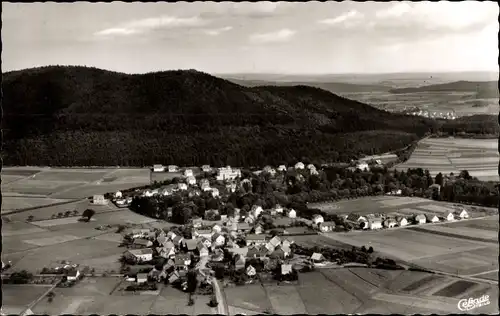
[
  {"x": 216, "y": 228},
  {"x": 218, "y": 239},
  {"x": 173, "y": 168},
  {"x": 362, "y": 166},
  {"x": 317, "y": 219},
  {"x": 142, "y": 243},
  {"x": 317, "y": 257},
  {"x": 206, "y": 168},
  {"x": 182, "y": 261},
  {"x": 291, "y": 213},
  {"x": 286, "y": 269},
  {"x": 390, "y": 223},
  {"x": 182, "y": 186},
  {"x": 158, "y": 168},
  {"x": 355, "y": 218},
  {"x": 420, "y": 219},
  {"x": 139, "y": 254},
  {"x": 142, "y": 278},
  {"x": 450, "y": 216},
  {"x": 431, "y": 218},
  {"x": 191, "y": 180},
  {"x": 461, "y": 214},
  {"x": 188, "y": 173},
  {"x": 255, "y": 239},
  {"x": 299, "y": 165},
  {"x": 197, "y": 222},
  {"x": 227, "y": 173},
  {"x": 99, "y": 200},
  {"x": 275, "y": 241},
  {"x": 256, "y": 210},
  {"x": 166, "y": 251},
  {"x": 239, "y": 262},
  {"x": 402, "y": 221},
  {"x": 190, "y": 244},
  {"x": 118, "y": 195},
  {"x": 282, "y": 168},
  {"x": 244, "y": 227},
  {"x": 375, "y": 223},
  {"x": 202, "y": 250},
  {"x": 258, "y": 229},
  {"x": 278, "y": 253}
]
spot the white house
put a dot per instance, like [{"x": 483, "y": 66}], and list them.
[
  {"x": 206, "y": 168},
  {"x": 142, "y": 277},
  {"x": 140, "y": 254},
  {"x": 326, "y": 226},
  {"x": 461, "y": 214},
  {"x": 218, "y": 239},
  {"x": 188, "y": 173},
  {"x": 147, "y": 193},
  {"x": 317, "y": 219},
  {"x": 269, "y": 170},
  {"x": 99, "y": 200},
  {"x": 231, "y": 187},
  {"x": 251, "y": 271},
  {"x": 313, "y": 172},
  {"x": 375, "y": 223},
  {"x": 182, "y": 186},
  {"x": 118, "y": 195},
  {"x": 278, "y": 209},
  {"x": 205, "y": 185},
  {"x": 158, "y": 168},
  {"x": 291, "y": 213},
  {"x": 362, "y": 166},
  {"x": 311, "y": 166},
  {"x": 299, "y": 165},
  {"x": 431, "y": 218},
  {"x": 402, "y": 221},
  {"x": 173, "y": 168},
  {"x": 282, "y": 168},
  {"x": 191, "y": 180},
  {"x": 355, "y": 218},
  {"x": 215, "y": 192},
  {"x": 256, "y": 210},
  {"x": 450, "y": 216},
  {"x": 216, "y": 228},
  {"x": 420, "y": 219},
  {"x": 227, "y": 173}
]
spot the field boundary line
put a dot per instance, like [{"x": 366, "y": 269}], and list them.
[
  {"x": 39, "y": 207},
  {"x": 32, "y": 304},
  {"x": 446, "y": 234}
]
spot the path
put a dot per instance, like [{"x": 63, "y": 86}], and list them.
[
  {"x": 30, "y": 306},
  {"x": 222, "y": 308}
]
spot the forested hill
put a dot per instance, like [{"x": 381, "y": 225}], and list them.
[
  {"x": 85, "y": 116},
  {"x": 484, "y": 89}
]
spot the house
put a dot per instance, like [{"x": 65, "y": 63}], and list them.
[
  {"x": 207, "y": 242},
  {"x": 282, "y": 168},
  {"x": 158, "y": 168},
  {"x": 205, "y": 185},
  {"x": 244, "y": 227},
  {"x": 286, "y": 269},
  {"x": 435, "y": 187},
  {"x": 256, "y": 210},
  {"x": 216, "y": 228},
  {"x": 118, "y": 195},
  {"x": 253, "y": 252},
  {"x": 143, "y": 255},
  {"x": 213, "y": 212},
  {"x": 142, "y": 278},
  {"x": 299, "y": 165},
  {"x": 182, "y": 261},
  {"x": 272, "y": 212},
  {"x": 317, "y": 257},
  {"x": 317, "y": 219},
  {"x": 278, "y": 209},
  {"x": 255, "y": 239},
  {"x": 326, "y": 226},
  {"x": 431, "y": 218},
  {"x": 402, "y": 221},
  {"x": 291, "y": 213},
  {"x": 206, "y": 168},
  {"x": 362, "y": 166},
  {"x": 243, "y": 251},
  {"x": 286, "y": 242},
  {"x": 161, "y": 240},
  {"x": 166, "y": 252},
  {"x": 258, "y": 229},
  {"x": 223, "y": 218},
  {"x": 191, "y": 180},
  {"x": 313, "y": 172},
  {"x": 390, "y": 223},
  {"x": 99, "y": 200},
  {"x": 355, "y": 218},
  {"x": 450, "y": 216},
  {"x": 147, "y": 193},
  {"x": 173, "y": 168},
  {"x": 250, "y": 219},
  {"x": 231, "y": 187},
  {"x": 73, "y": 274},
  {"x": 275, "y": 241},
  {"x": 171, "y": 235},
  {"x": 420, "y": 219},
  {"x": 177, "y": 240},
  {"x": 239, "y": 262},
  {"x": 286, "y": 250},
  {"x": 269, "y": 170},
  {"x": 188, "y": 173},
  {"x": 205, "y": 233},
  {"x": 155, "y": 275},
  {"x": 202, "y": 249},
  {"x": 175, "y": 276},
  {"x": 278, "y": 253},
  {"x": 197, "y": 222},
  {"x": 215, "y": 192},
  {"x": 166, "y": 191},
  {"x": 375, "y": 223},
  {"x": 142, "y": 243},
  {"x": 251, "y": 271},
  {"x": 218, "y": 239},
  {"x": 190, "y": 244},
  {"x": 227, "y": 173},
  {"x": 461, "y": 214},
  {"x": 182, "y": 186},
  {"x": 311, "y": 166}
]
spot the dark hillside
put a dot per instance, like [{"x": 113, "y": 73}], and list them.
[
  {"x": 87, "y": 116},
  {"x": 475, "y": 124}
]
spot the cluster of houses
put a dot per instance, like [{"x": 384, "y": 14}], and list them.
[{"x": 393, "y": 220}]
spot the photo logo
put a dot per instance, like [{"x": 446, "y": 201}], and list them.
[{"x": 471, "y": 303}]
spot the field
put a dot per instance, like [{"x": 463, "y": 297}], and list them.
[
  {"x": 19, "y": 297},
  {"x": 445, "y": 155}
]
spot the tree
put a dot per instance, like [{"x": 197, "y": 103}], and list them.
[
  {"x": 213, "y": 301},
  {"x": 192, "y": 282},
  {"x": 60, "y": 214},
  {"x": 67, "y": 213},
  {"x": 75, "y": 212},
  {"x": 87, "y": 214},
  {"x": 370, "y": 250},
  {"x": 439, "y": 179},
  {"x": 30, "y": 218},
  {"x": 21, "y": 277}
]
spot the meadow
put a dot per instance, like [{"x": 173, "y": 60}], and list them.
[{"x": 445, "y": 155}]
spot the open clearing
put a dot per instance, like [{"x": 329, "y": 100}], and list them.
[{"x": 445, "y": 155}]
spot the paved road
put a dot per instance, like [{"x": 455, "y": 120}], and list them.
[{"x": 222, "y": 306}]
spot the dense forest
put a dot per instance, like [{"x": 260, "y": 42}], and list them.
[
  {"x": 294, "y": 189},
  {"x": 472, "y": 126},
  {"x": 79, "y": 116}
]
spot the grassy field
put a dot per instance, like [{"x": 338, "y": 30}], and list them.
[
  {"x": 285, "y": 300},
  {"x": 445, "y": 155},
  {"x": 252, "y": 297}
]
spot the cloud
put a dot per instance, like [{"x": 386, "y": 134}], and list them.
[
  {"x": 261, "y": 9},
  {"x": 346, "y": 17},
  {"x": 280, "y": 36},
  {"x": 150, "y": 24},
  {"x": 215, "y": 32}
]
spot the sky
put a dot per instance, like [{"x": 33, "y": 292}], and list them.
[{"x": 262, "y": 37}]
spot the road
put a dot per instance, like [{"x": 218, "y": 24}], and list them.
[{"x": 222, "y": 308}]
